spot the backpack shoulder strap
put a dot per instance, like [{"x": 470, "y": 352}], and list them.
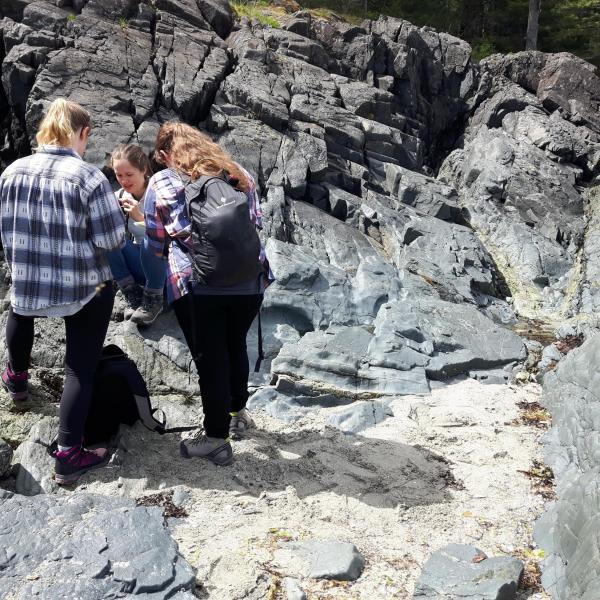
[{"x": 194, "y": 190}]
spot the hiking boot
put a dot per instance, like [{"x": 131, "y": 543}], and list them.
[
  {"x": 241, "y": 421},
  {"x": 152, "y": 306},
  {"x": 71, "y": 464},
  {"x": 133, "y": 299},
  {"x": 15, "y": 383},
  {"x": 217, "y": 450}
]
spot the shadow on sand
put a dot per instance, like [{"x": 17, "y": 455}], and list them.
[{"x": 379, "y": 473}]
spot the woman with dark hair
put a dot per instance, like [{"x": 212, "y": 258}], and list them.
[
  {"x": 59, "y": 217},
  {"x": 214, "y": 319},
  {"x": 139, "y": 273}
]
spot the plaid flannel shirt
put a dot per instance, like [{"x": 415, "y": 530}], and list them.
[
  {"x": 166, "y": 219},
  {"x": 58, "y": 217}
]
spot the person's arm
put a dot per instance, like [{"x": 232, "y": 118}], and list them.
[
  {"x": 107, "y": 225},
  {"x": 154, "y": 219}
]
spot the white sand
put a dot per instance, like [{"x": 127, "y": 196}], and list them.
[{"x": 389, "y": 491}]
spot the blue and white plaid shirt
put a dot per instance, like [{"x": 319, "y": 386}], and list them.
[{"x": 58, "y": 217}]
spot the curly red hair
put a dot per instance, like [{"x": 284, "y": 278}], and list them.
[{"x": 195, "y": 154}]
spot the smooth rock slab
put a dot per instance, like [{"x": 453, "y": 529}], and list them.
[
  {"x": 287, "y": 402},
  {"x": 569, "y": 533},
  {"x": 321, "y": 559},
  {"x": 452, "y": 573},
  {"x": 360, "y": 415},
  {"x": 87, "y": 546}
]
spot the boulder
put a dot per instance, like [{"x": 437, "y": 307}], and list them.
[
  {"x": 321, "y": 559},
  {"x": 88, "y": 546},
  {"x": 462, "y": 571},
  {"x": 33, "y": 465},
  {"x": 423, "y": 193}
]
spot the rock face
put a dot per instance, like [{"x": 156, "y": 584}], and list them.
[
  {"x": 529, "y": 147},
  {"x": 416, "y": 203},
  {"x": 85, "y": 546},
  {"x": 568, "y": 533},
  {"x": 460, "y": 571},
  {"x": 341, "y": 138}
]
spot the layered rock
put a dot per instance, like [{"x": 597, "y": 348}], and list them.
[
  {"x": 569, "y": 532},
  {"x": 88, "y": 546},
  {"x": 342, "y": 126},
  {"x": 407, "y": 193},
  {"x": 528, "y": 151}
]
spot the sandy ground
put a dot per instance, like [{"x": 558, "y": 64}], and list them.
[{"x": 445, "y": 468}]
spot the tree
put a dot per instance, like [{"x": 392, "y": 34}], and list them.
[{"x": 533, "y": 24}]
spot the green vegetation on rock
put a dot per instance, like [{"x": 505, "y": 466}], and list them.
[{"x": 259, "y": 10}]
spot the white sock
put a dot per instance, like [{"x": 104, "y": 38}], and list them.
[{"x": 64, "y": 448}]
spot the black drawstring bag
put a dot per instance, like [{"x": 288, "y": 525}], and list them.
[{"x": 120, "y": 396}]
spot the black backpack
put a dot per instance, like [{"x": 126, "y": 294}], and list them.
[
  {"x": 226, "y": 245},
  {"x": 119, "y": 396}
]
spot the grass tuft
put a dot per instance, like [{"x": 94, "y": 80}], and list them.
[{"x": 258, "y": 10}]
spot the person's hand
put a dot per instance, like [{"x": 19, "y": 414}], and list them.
[{"x": 132, "y": 207}]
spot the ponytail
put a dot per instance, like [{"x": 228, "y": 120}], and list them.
[{"x": 62, "y": 120}]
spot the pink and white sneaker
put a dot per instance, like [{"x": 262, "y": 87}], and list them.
[{"x": 71, "y": 464}]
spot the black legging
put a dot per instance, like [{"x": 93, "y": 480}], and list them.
[
  {"x": 222, "y": 323},
  {"x": 85, "y": 331}
]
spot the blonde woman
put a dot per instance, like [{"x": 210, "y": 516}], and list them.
[
  {"x": 139, "y": 273},
  {"x": 59, "y": 217},
  {"x": 214, "y": 320}
]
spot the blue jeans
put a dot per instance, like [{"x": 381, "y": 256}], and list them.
[{"x": 138, "y": 263}]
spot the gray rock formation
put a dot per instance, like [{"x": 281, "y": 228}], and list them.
[
  {"x": 408, "y": 192},
  {"x": 568, "y": 532},
  {"x": 531, "y": 142},
  {"x": 84, "y": 546},
  {"x": 341, "y": 137},
  {"x": 461, "y": 571},
  {"x": 359, "y": 416}
]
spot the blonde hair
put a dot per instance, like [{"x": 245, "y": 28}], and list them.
[
  {"x": 62, "y": 120},
  {"x": 195, "y": 154},
  {"x": 134, "y": 155}
]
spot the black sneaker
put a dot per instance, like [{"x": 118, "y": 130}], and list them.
[
  {"x": 133, "y": 298},
  {"x": 152, "y": 306},
  {"x": 217, "y": 450},
  {"x": 15, "y": 383}
]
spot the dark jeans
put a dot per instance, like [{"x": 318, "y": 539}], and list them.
[
  {"x": 221, "y": 323},
  {"x": 85, "y": 331}
]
